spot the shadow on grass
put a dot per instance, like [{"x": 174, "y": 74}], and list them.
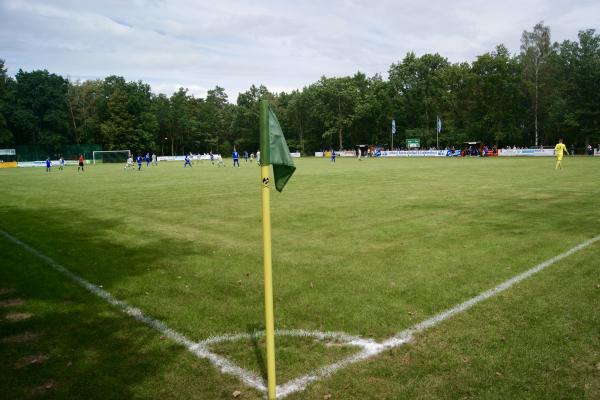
[
  {"x": 93, "y": 350},
  {"x": 101, "y": 250},
  {"x": 258, "y": 353}
]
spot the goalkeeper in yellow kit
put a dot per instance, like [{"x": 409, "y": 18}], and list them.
[{"x": 558, "y": 152}]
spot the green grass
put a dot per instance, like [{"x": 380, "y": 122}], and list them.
[
  {"x": 368, "y": 248},
  {"x": 302, "y": 354}
]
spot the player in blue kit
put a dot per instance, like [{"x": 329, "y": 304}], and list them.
[
  {"x": 48, "y": 164},
  {"x": 187, "y": 162},
  {"x": 245, "y": 155},
  {"x": 236, "y": 158},
  {"x": 333, "y": 156},
  {"x": 139, "y": 162}
]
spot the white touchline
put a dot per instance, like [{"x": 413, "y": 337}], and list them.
[
  {"x": 369, "y": 347},
  {"x": 198, "y": 349}
]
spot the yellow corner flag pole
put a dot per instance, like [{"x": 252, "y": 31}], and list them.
[{"x": 266, "y": 225}]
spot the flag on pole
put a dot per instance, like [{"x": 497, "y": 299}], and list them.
[
  {"x": 439, "y": 125},
  {"x": 393, "y": 127},
  {"x": 274, "y": 151}
]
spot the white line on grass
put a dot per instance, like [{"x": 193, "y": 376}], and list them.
[
  {"x": 198, "y": 349},
  {"x": 369, "y": 347},
  {"x": 299, "y": 384},
  {"x": 341, "y": 337}
]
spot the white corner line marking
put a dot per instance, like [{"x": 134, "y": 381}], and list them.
[
  {"x": 200, "y": 350},
  {"x": 369, "y": 347},
  {"x": 299, "y": 384}
]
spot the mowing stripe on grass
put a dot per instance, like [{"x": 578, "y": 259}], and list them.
[
  {"x": 199, "y": 350},
  {"x": 299, "y": 384},
  {"x": 370, "y": 348}
]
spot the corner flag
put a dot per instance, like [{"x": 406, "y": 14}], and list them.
[{"x": 273, "y": 151}]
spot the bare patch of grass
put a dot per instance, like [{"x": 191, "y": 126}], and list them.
[
  {"x": 45, "y": 387},
  {"x": 21, "y": 338},
  {"x": 31, "y": 360},
  {"x": 11, "y": 303},
  {"x": 6, "y": 290},
  {"x": 18, "y": 316}
]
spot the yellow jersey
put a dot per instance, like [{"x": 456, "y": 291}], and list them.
[{"x": 559, "y": 149}]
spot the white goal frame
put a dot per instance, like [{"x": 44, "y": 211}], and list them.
[{"x": 108, "y": 151}]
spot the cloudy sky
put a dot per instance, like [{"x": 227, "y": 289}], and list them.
[{"x": 282, "y": 44}]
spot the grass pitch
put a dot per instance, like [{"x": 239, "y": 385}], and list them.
[{"x": 368, "y": 248}]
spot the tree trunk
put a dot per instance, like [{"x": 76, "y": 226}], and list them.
[
  {"x": 426, "y": 120},
  {"x": 341, "y": 129},
  {"x": 73, "y": 119},
  {"x": 536, "y": 105},
  {"x": 301, "y": 135}
]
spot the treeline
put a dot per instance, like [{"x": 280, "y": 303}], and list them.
[{"x": 547, "y": 90}]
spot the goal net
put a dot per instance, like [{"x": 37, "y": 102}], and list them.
[{"x": 110, "y": 156}]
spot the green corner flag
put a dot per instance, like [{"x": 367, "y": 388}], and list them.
[{"x": 274, "y": 149}]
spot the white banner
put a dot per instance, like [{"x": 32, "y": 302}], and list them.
[
  {"x": 596, "y": 152},
  {"x": 296, "y": 154},
  {"x": 319, "y": 154},
  {"x": 526, "y": 152},
  {"x": 54, "y": 163},
  {"x": 7, "y": 152},
  {"x": 200, "y": 157},
  {"x": 414, "y": 153}
]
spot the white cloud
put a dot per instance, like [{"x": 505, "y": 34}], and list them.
[{"x": 284, "y": 45}]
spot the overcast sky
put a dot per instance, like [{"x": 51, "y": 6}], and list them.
[{"x": 282, "y": 44}]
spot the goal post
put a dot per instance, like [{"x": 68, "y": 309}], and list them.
[{"x": 110, "y": 156}]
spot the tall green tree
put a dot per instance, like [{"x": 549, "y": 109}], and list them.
[
  {"x": 245, "y": 118},
  {"x": 217, "y": 118},
  {"x": 419, "y": 88},
  {"x": 536, "y": 51},
  {"x": 126, "y": 114},
  {"x": 336, "y": 101},
  {"x": 499, "y": 99},
  {"x": 40, "y": 111},
  {"x": 6, "y": 99},
  {"x": 576, "y": 111},
  {"x": 83, "y": 100}
]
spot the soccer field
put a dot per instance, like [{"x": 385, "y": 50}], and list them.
[{"x": 364, "y": 249}]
